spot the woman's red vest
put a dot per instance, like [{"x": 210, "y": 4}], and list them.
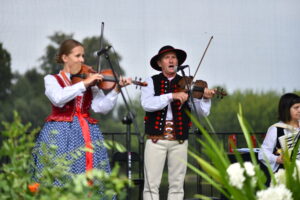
[{"x": 67, "y": 112}]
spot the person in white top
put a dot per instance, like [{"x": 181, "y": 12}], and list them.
[
  {"x": 69, "y": 127},
  {"x": 167, "y": 124},
  {"x": 289, "y": 125}
]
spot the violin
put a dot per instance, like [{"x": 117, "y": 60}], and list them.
[
  {"x": 197, "y": 87},
  {"x": 108, "y": 82}
]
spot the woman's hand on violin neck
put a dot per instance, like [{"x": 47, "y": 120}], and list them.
[
  {"x": 209, "y": 93},
  {"x": 92, "y": 78},
  {"x": 123, "y": 81},
  {"x": 181, "y": 96}
]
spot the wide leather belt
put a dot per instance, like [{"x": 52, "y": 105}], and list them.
[
  {"x": 168, "y": 133},
  {"x": 158, "y": 137}
]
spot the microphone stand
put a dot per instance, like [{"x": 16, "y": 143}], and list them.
[
  {"x": 190, "y": 93},
  {"x": 101, "y": 44},
  {"x": 128, "y": 119},
  {"x": 199, "y": 186}
]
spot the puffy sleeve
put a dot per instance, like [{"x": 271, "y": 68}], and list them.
[
  {"x": 103, "y": 103},
  {"x": 58, "y": 95},
  {"x": 152, "y": 103},
  {"x": 267, "y": 148},
  {"x": 202, "y": 106}
]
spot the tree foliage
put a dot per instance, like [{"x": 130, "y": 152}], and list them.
[
  {"x": 28, "y": 98},
  {"x": 260, "y": 109},
  {"x": 26, "y": 94},
  {"x": 92, "y": 44},
  {"x": 5, "y": 72}
]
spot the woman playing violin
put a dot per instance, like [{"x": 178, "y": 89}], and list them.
[{"x": 70, "y": 119}]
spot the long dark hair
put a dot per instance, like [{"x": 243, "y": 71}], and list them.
[{"x": 285, "y": 103}]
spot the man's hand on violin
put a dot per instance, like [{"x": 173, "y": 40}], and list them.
[
  {"x": 209, "y": 93},
  {"x": 181, "y": 96},
  {"x": 92, "y": 78}
]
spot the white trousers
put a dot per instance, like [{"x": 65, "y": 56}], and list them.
[{"x": 155, "y": 157}]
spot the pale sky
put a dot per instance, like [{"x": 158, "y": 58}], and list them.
[{"x": 256, "y": 43}]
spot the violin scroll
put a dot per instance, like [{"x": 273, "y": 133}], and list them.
[
  {"x": 220, "y": 92},
  {"x": 139, "y": 82}
]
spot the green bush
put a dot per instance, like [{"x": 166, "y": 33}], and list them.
[{"x": 16, "y": 171}]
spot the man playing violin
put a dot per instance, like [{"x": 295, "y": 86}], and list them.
[
  {"x": 70, "y": 118},
  {"x": 167, "y": 124}
]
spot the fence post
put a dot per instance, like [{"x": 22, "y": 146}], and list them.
[
  {"x": 232, "y": 142},
  {"x": 253, "y": 139}
]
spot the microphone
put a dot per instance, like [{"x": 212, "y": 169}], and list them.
[
  {"x": 178, "y": 68},
  {"x": 102, "y": 51}
]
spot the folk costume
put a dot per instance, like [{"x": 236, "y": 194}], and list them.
[
  {"x": 166, "y": 127},
  {"x": 271, "y": 145},
  {"x": 70, "y": 128}
]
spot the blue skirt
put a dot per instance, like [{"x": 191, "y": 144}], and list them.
[{"x": 67, "y": 138}]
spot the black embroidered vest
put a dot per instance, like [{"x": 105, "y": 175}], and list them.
[{"x": 155, "y": 121}]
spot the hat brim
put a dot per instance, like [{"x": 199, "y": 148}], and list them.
[{"x": 181, "y": 56}]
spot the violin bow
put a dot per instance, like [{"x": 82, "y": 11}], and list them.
[
  {"x": 203, "y": 56},
  {"x": 189, "y": 84}
]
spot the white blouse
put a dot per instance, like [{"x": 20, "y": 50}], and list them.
[
  {"x": 152, "y": 103},
  {"x": 59, "y": 96}
]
